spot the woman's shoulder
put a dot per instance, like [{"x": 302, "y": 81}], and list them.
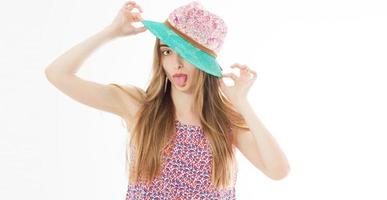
[{"x": 131, "y": 90}]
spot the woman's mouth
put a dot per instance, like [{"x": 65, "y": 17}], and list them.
[{"x": 180, "y": 79}]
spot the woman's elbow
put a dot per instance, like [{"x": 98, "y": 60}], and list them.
[{"x": 280, "y": 173}]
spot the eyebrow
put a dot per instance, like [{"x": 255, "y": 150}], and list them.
[{"x": 163, "y": 45}]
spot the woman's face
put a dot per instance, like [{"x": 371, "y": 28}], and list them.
[{"x": 173, "y": 64}]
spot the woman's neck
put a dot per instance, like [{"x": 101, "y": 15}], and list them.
[{"x": 183, "y": 103}]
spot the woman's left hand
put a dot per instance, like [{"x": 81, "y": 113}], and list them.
[{"x": 237, "y": 93}]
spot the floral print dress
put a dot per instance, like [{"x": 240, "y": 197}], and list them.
[{"x": 186, "y": 170}]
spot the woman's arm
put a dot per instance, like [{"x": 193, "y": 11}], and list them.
[
  {"x": 259, "y": 146},
  {"x": 70, "y": 62},
  {"x": 62, "y": 71},
  {"x": 256, "y": 144}
]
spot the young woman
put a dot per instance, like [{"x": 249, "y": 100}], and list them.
[{"x": 185, "y": 126}]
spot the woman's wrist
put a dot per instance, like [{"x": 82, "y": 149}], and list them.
[{"x": 109, "y": 33}]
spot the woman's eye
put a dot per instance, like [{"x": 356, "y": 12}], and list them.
[{"x": 166, "y": 52}]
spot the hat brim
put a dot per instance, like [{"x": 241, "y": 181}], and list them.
[{"x": 185, "y": 49}]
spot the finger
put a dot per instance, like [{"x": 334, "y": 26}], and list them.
[
  {"x": 140, "y": 29},
  {"x": 137, "y": 17},
  {"x": 129, "y": 2},
  {"x": 254, "y": 73},
  {"x": 242, "y": 68},
  {"x": 248, "y": 70},
  {"x": 245, "y": 69},
  {"x": 235, "y": 65},
  {"x": 231, "y": 75},
  {"x": 130, "y": 7},
  {"x": 140, "y": 8}
]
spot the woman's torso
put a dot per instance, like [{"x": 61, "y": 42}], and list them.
[{"x": 186, "y": 170}]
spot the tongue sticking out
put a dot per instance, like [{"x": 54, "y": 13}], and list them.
[{"x": 180, "y": 80}]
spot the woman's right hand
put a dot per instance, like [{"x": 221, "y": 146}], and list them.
[{"x": 122, "y": 23}]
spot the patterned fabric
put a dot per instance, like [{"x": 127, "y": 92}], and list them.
[
  {"x": 186, "y": 170},
  {"x": 199, "y": 24}
]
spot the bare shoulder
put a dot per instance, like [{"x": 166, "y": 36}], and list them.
[{"x": 131, "y": 98}]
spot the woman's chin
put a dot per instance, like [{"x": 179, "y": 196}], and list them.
[
  {"x": 180, "y": 87},
  {"x": 184, "y": 87}
]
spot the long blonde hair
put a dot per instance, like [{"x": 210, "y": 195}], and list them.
[{"x": 154, "y": 127}]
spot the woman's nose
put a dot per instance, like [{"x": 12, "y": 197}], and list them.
[{"x": 180, "y": 62}]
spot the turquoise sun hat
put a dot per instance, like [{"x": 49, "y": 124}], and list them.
[{"x": 194, "y": 33}]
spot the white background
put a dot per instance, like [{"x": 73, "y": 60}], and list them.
[{"x": 321, "y": 92}]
